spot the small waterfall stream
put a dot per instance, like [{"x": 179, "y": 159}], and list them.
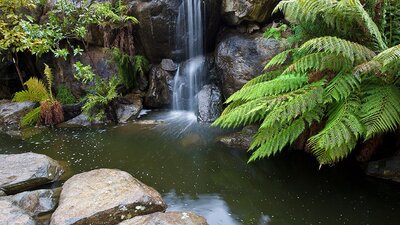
[{"x": 189, "y": 77}]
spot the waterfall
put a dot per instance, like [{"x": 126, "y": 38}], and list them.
[{"x": 189, "y": 77}]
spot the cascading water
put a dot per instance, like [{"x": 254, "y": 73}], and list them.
[{"x": 189, "y": 38}]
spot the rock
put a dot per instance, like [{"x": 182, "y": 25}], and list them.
[
  {"x": 241, "y": 57},
  {"x": 209, "y": 103},
  {"x": 126, "y": 113},
  {"x": 2, "y": 193},
  {"x": 241, "y": 139},
  {"x": 36, "y": 202},
  {"x": 168, "y": 218},
  {"x": 104, "y": 196},
  {"x": 236, "y": 11},
  {"x": 159, "y": 92},
  {"x": 20, "y": 172},
  {"x": 157, "y": 31},
  {"x": 11, "y": 114},
  {"x": 11, "y": 214},
  {"x": 386, "y": 168},
  {"x": 81, "y": 121},
  {"x": 169, "y": 65}
]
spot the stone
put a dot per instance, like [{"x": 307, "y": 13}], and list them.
[
  {"x": 20, "y": 172},
  {"x": 209, "y": 103},
  {"x": 81, "y": 121},
  {"x": 241, "y": 57},
  {"x": 2, "y": 193},
  {"x": 157, "y": 28},
  {"x": 104, "y": 196},
  {"x": 160, "y": 88},
  {"x": 11, "y": 114},
  {"x": 127, "y": 113},
  {"x": 386, "y": 168},
  {"x": 241, "y": 139},
  {"x": 169, "y": 65},
  {"x": 235, "y": 12},
  {"x": 36, "y": 202},
  {"x": 11, "y": 214},
  {"x": 168, "y": 218}
]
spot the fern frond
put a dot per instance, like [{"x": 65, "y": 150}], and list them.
[
  {"x": 340, "y": 134},
  {"x": 263, "y": 77},
  {"x": 279, "y": 59},
  {"x": 49, "y": 77},
  {"x": 31, "y": 118},
  {"x": 341, "y": 87},
  {"x": 355, "y": 52},
  {"x": 281, "y": 84},
  {"x": 380, "y": 109},
  {"x": 320, "y": 61},
  {"x": 36, "y": 91}
]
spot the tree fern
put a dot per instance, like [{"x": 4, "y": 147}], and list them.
[
  {"x": 31, "y": 117},
  {"x": 36, "y": 91},
  {"x": 341, "y": 87}
]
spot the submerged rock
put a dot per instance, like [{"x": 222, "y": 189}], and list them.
[
  {"x": 236, "y": 11},
  {"x": 11, "y": 214},
  {"x": 105, "y": 196},
  {"x": 386, "y": 168},
  {"x": 81, "y": 121},
  {"x": 11, "y": 114},
  {"x": 20, "y": 172},
  {"x": 241, "y": 139},
  {"x": 241, "y": 57},
  {"x": 36, "y": 202},
  {"x": 209, "y": 103},
  {"x": 159, "y": 92},
  {"x": 168, "y": 218}
]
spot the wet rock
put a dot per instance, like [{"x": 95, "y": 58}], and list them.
[
  {"x": 236, "y": 11},
  {"x": 169, "y": 65},
  {"x": 168, "y": 218},
  {"x": 11, "y": 214},
  {"x": 20, "y": 172},
  {"x": 104, "y": 196},
  {"x": 129, "y": 108},
  {"x": 157, "y": 28},
  {"x": 36, "y": 202},
  {"x": 2, "y": 193},
  {"x": 81, "y": 121},
  {"x": 159, "y": 92},
  {"x": 11, "y": 114},
  {"x": 209, "y": 103},
  {"x": 241, "y": 57},
  {"x": 241, "y": 139},
  {"x": 386, "y": 168}
]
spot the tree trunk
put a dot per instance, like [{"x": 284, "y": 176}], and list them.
[{"x": 21, "y": 79}]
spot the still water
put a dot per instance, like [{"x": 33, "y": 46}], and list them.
[{"x": 182, "y": 160}]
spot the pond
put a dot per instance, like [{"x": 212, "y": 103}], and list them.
[{"x": 182, "y": 160}]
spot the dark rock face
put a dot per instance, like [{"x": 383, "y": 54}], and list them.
[
  {"x": 158, "y": 25},
  {"x": 169, "y": 218},
  {"x": 19, "y": 172},
  {"x": 209, "y": 103},
  {"x": 241, "y": 139},
  {"x": 105, "y": 196},
  {"x": 236, "y": 11},
  {"x": 241, "y": 57},
  {"x": 169, "y": 65},
  {"x": 160, "y": 88},
  {"x": 11, "y": 114},
  {"x": 386, "y": 168},
  {"x": 12, "y": 214}
]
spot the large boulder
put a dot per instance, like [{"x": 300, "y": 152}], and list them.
[
  {"x": 241, "y": 139},
  {"x": 160, "y": 88},
  {"x": 209, "y": 103},
  {"x": 20, "y": 172},
  {"x": 11, "y": 214},
  {"x": 36, "y": 202},
  {"x": 236, "y": 11},
  {"x": 386, "y": 168},
  {"x": 157, "y": 31},
  {"x": 11, "y": 114},
  {"x": 129, "y": 108},
  {"x": 169, "y": 218},
  {"x": 105, "y": 196},
  {"x": 241, "y": 57}
]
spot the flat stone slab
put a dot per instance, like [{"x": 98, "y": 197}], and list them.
[
  {"x": 11, "y": 114},
  {"x": 168, "y": 218},
  {"x": 105, "y": 196},
  {"x": 20, "y": 172},
  {"x": 10, "y": 214}
]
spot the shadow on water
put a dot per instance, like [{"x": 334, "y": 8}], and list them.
[{"x": 181, "y": 159}]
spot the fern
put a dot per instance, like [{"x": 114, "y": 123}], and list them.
[
  {"x": 36, "y": 92},
  {"x": 31, "y": 117},
  {"x": 341, "y": 87}
]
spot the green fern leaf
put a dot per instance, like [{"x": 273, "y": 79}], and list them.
[{"x": 31, "y": 118}]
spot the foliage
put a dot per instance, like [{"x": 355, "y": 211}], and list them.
[
  {"x": 338, "y": 81},
  {"x": 275, "y": 32},
  {"x": 65, "y": 96},
  {"x": 129, "y": 67},
  {"x": 101, "y": 96},
  {"x": 50, "y": 110}
]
